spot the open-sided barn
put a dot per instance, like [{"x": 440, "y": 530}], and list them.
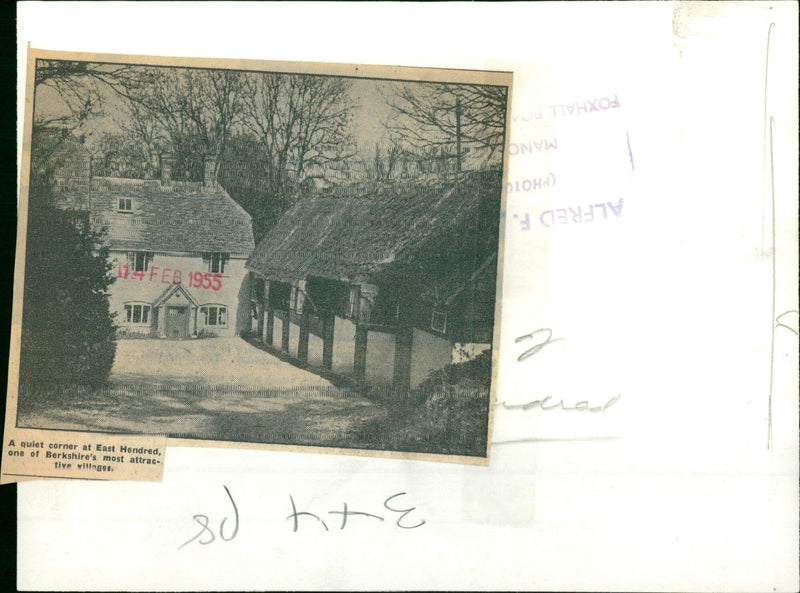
[{"x": 382, "y": 282}]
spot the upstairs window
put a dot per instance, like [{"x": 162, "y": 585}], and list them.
[
  {"x": 215, "y": 262},
  {"x": 140, "y": 260},
  {"x": 124, "y": 205}
]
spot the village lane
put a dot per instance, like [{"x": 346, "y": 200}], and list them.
[
  {"x": 220, "y": 389},
  {"x": 216, "y": 362}
]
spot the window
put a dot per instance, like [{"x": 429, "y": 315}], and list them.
[
  {"x": 439, "y": 321},
  {"x": 137, "y": 314},
  {"x": 215, "y": 262},
  {"x": 124, "y": 205},
  {"x": 140, "y": 260},
  {"x": 214, "y": 315},
  {"x": 364, "y": 309}
]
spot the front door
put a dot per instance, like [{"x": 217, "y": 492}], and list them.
[{"x": 177, "y": 322}]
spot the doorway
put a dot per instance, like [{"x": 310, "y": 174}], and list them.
[{"x": 177, "y": 322}]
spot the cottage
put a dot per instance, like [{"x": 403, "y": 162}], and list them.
[
  {"x": 384, "y": 283},
  {"x": 177, "y": 248}
]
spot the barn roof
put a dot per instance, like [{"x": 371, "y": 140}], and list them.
[
  {"x": 355, "y": 234},
  {"x": 180, "y": 217}
]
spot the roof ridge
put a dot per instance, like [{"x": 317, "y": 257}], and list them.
[
  {"x": 363, "y": 234},
  {"x": 155, "y": 185}
]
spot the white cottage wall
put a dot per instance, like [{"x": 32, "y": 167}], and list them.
[
  {"x": 166, "y": 269},
  {"x": 380, "y": 358},
  {"x": 428, "y": 353},
  {"x": 294, "y": 338},
  {"x": 277, "y": 333},
  {"x": 344, "y": 333},
  {"x": 315, "y": 346}
]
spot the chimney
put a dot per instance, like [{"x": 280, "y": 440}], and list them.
[
  {"x": 210, "y": 171},
  {"x": 167, "y": 162}
]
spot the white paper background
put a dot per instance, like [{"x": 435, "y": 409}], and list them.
[{"x": 669, "y": 305}]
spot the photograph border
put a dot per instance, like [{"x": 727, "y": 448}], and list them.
[{"x": 388, "y": 73}]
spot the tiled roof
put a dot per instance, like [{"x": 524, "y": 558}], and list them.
[
  {"x": 357, "y": 234},
  {"x": 181, "y": 217}
]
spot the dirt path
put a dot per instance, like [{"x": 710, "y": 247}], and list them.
[
  {"x": 213, "y": 362},
  {"x": 216, "y": 389}
]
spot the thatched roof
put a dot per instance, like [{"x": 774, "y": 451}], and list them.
[{"x": 357, "y": 234}]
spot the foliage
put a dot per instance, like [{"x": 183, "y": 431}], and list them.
[
  {"x": 120, "y": 156},
  {"x": 452, "y": 421},
  {"x": 476, "y": 372},
  {"x": 244, "y": 173},
  {"x": 68, "y": 335},
  {"x": 456, "y": 419},
  {"x": 447, "y": 413}
]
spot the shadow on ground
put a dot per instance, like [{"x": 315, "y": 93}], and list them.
[{"x": 323, "y": 416}]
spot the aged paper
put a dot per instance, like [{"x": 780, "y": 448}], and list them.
[
  {"x": 644, "y": 345},
  {"x": 259, "y": 254}
]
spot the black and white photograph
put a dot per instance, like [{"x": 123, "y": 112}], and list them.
[
  {"x": 390, "y": 296},
  {"x": 272, "y": 256}
]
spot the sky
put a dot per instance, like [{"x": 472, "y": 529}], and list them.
[
  {"x": 367, "y": 94},
  {"x": 373, "y": 110}
]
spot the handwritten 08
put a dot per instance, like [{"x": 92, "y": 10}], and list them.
[{"x": 206, "y": 535}]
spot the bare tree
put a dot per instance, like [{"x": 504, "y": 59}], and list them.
[
  {"x": 76, "y": 85},
  {"x": 143, "y": 129},
  {"x": 386, "y": 162},
  {"x": 448, "y": 119},
  {"x": 300, "y": 121},
  {"x": 196, "y": 111},
  {"x": 74, "y": 96}
]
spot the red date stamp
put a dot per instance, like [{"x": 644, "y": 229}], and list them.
[{"x": 205, "y": 280}]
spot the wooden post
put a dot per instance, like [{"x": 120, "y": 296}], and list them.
[
  {"x": 360, "y": 357},
  {"x": 162, "y": 321},
  {"x": 287, "y": 319},
  {"x": 302, "y": 344},
  {"x": 268, "y": 321},
  {"x": 270, "y": 327},
  {"x": 402, "y": 355},
  {"x": 328, "y": 322},
  {"x": 260, "y": 325}
]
